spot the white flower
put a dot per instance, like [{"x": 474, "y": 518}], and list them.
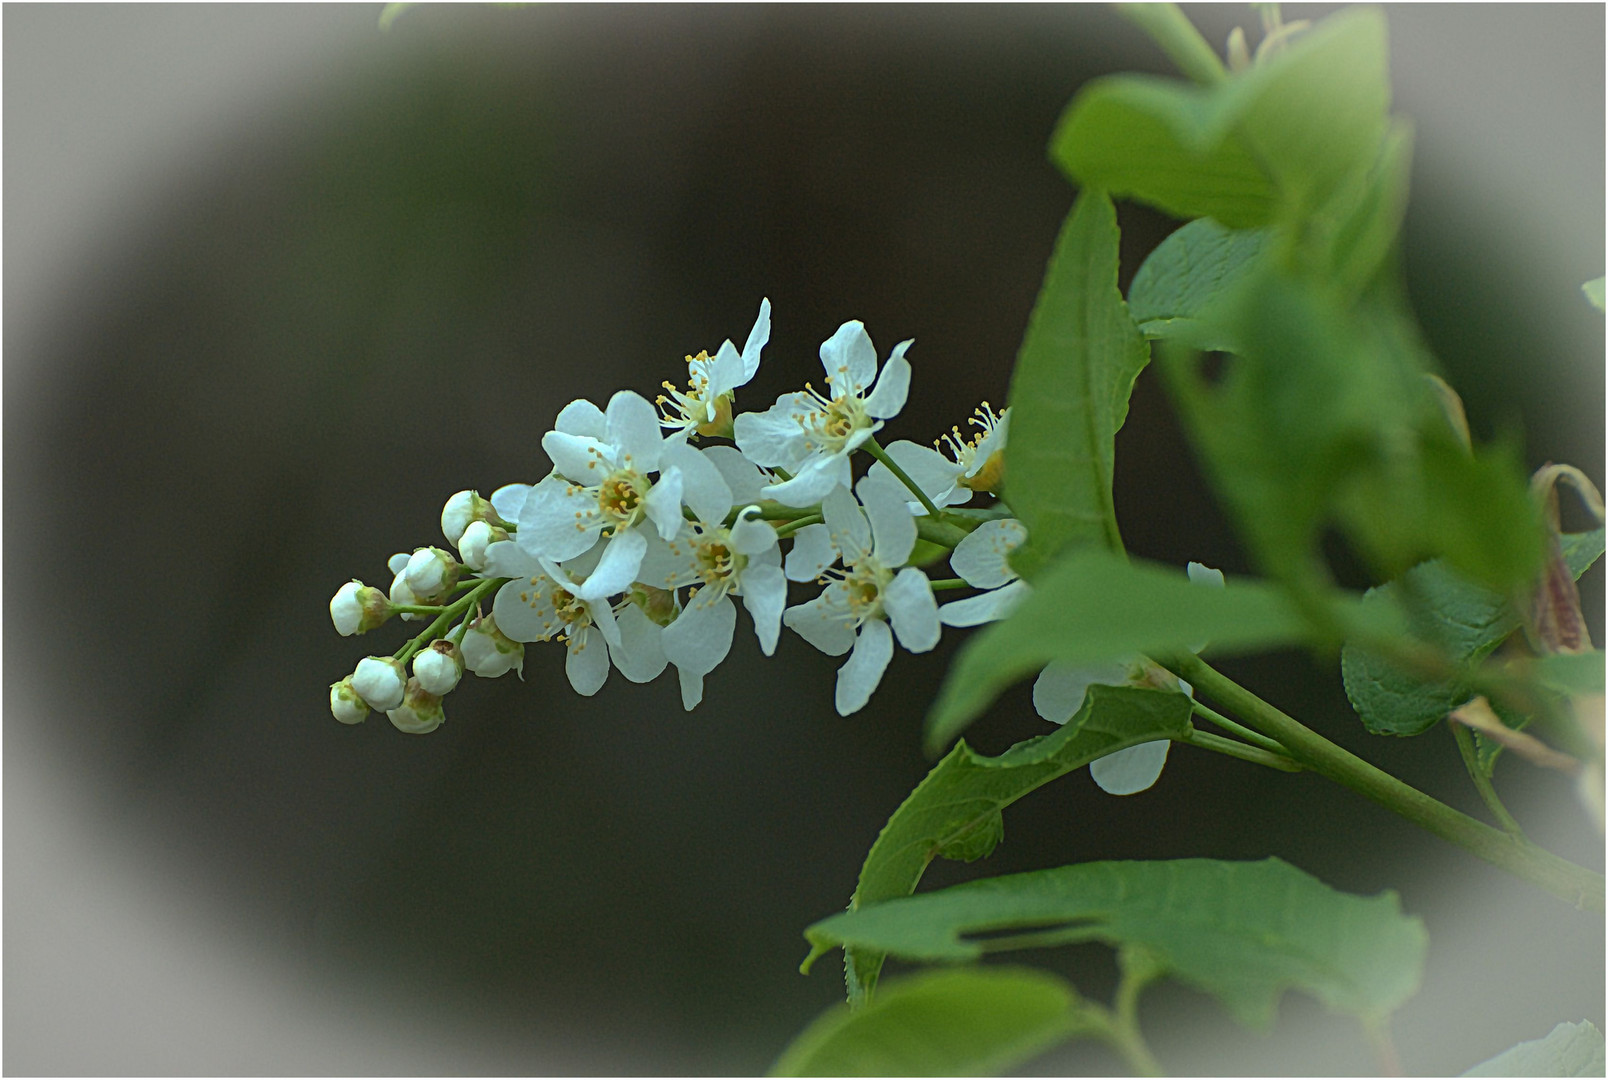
[
  {"x": 439, "y": 667},
  {"x": 543, "y": 603},
  {"x": 704, "y": 408},
  {"x": 975, "y": 464},
  {"x": 419, "y": 712},
  {"x": 432, "y": 574},
  {"x": 601, "y": 481},
  {"x": 811, "y": 435},
  {"x": 357, "y": 608},
  {"x": 463, "y": 509},
  {"x": 488, "y": 652},
  {"x": 982, "y": 559},
  {"x": 346, "y": 703},
  {"x": 400, "y": 593},
  {"x": 859, "y": 602},
  {"x": 1058, "y": 694},
  {"x": 379, "y": 680}
]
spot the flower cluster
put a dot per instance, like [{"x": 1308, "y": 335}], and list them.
[{"x": 653, "y": 522}]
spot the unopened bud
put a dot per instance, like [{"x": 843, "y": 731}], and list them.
[
  {"x": 379, "y": 680},
  {"x": 462, "y": 510},
  {"x": 419, "y": 713},
  {"x": 474, "y": 542},
  {"x": 358, "y": 608},
  {"x": 488, "y": 652},
  {"x": 439, "y": 667},
  {"x": 432, "y": 573},
  {"x": 345, "y": 702}
]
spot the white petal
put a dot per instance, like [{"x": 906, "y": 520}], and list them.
[
  {"x": 578, "y": 457},
  {"x": 846, "y": 524},
  {"x": 549, "y": 524},
  {"x": 817, "y": 477},
  {"x": 398, "y": 562},
  {"x": 691, "y": 689},
  {"x": 639, "y": 655},
  {"x": 912, "y": 610},
  {"x": 1130, "y": 771},
  {"x": 662, "y": 504},
  {"x": 615, "y": 572},
  {"x": 765, "y": 595},
  {"x": 725, "y": 374},
  {"x": 587, "y": 664},
  {"x": 1058, "y": 693},
  {"x": 850, "y": 359},
  {"x": 859, "y": 677},
  {"x": 981, "y": 557},
  {"x": 892, "y": 527},
  {"x": 505, "y": 559},
  {"x": 812, "y": 552},
  {"x": 1204, "y": 575},
  {"x": 633, "y": 426},
  {"x": 989, "y": 607},
  {"x": 817, "y": 624},
  {"x": 603, "y": 620},
  {"x": 775, "y": 437},
  {"x": 507, "y": 500},
  {"x": 935, "y": 474},
  {"x": 700, "y": 637},
  {"x": 741, "y": 475},
  {"x": 893, "y": 386},
  {"x": 702, "y": 486},
  {"x": 580, "y": 417},
  {"x": 666, "y": 566},
  {"x": 758, "y": 338},
  {"x": 524, "y": 612},
  {"x": 750, "y": 536}
]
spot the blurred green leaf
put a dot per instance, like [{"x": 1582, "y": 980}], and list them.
[
  {"x": 1572, "y": 673},
  {"x": 1569, "y": 1050},
  {"x": 956, "y": 809},
  {"x": 1466, "y": 620},
  {"x": 1370, "y": 217},
  {"x": 1188, "y": 271},
  {"x": 965, "y": 1022},
  {"x": 1094, "y": 607},
  {"x": 1594, "y": 292},
  {"x": 390, "y": 13},
  {"x": 1069, "y": 392},
  {"x": 1240, "y": 931},
  {"x": 1157, "y": 141}
]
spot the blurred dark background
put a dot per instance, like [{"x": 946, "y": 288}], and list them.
[{"x": 278, "y": 283}]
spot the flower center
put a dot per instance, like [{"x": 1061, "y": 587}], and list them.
[
  {"x": 860, "y": 590},
  {"x": 834, "y": 420},
  {"x": 619, "y": 498}
]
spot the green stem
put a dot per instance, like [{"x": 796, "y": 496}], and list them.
[
  {"x": 1140, "y": 968},
  {"x": 789, "y": 528},
  {"x": 1252, "y": 737},
  {"x": 1561, "y": 878},
  {"x": 939, "y": 532},
  {"x": 1171, "y": 29},
  {"x": 1482, "y": 783},
  {"x": 462, "y": 604},
  {"x": 938, "y": 584},
  {"x": 1228, "y": 747},
  {"x": 874, "y": 448}
]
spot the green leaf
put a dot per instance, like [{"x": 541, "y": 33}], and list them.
[
  {"x": 1161, "y": 142},
  {"x": 966, "y": 1022},
  {"x": 1572, "y": 673},
  {"x": 1069, "y": 392},
  {"x": 1316, "y": 113},
  {"x": 1240, "y": 931},
  {"x": 1465, "y": 619},
  {"x": 1093, "y": 607},
  {"x": 1594, "y": 292},
  {"x": 1366, "y": 228},
  {"x": 956, "y": 809},
  {"x": 1570, "y": 1050},
  {"x": 389, "y": 13},
  {"x": 1187, "y": 272}
]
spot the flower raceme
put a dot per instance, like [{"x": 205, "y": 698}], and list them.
[{"x": 636, "y": 548}]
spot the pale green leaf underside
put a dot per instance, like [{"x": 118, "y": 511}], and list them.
[
  {"x": 1243, "y": 932},
  {"x": 966, "y": 1022},
  {"x": 1069, "y": 392},
  {"x": 1468, "y": 621},
  {"x": 955, "y": 811},
  {"x": 1569, "y": 1050},
  {"x": 1187, "y": 271}
]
